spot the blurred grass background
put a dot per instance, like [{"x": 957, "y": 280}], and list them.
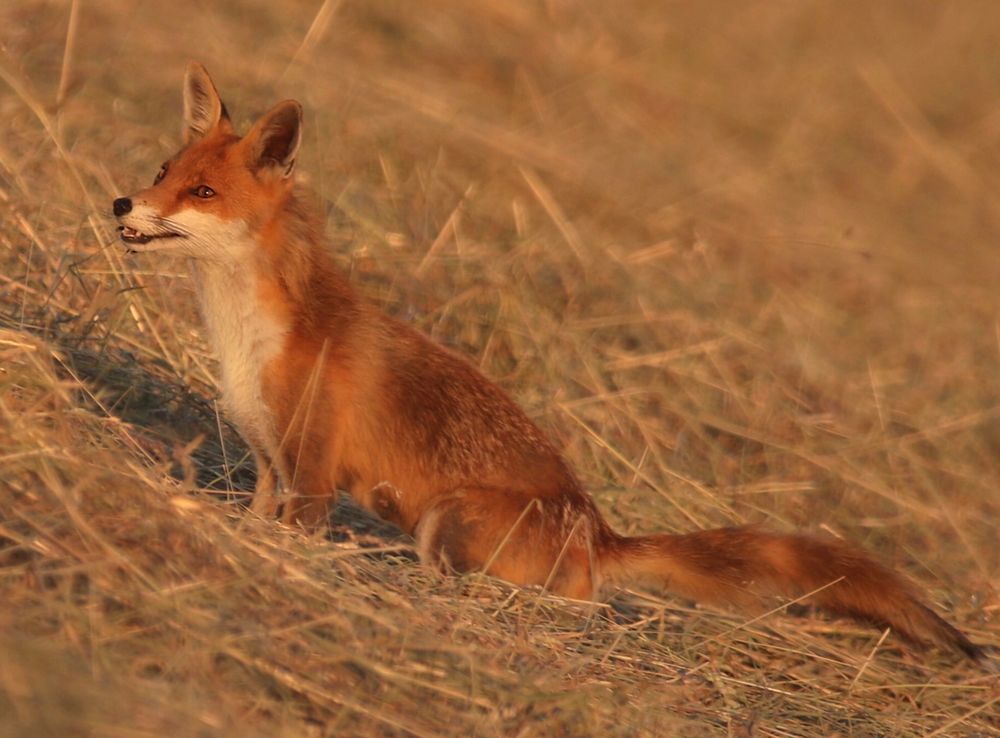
[{"x": 739, "y": 258}]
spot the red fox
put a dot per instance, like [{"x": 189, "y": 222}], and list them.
[{"x": 330, "y": 393}]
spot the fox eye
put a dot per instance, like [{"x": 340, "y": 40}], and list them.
[
  {"x": 160, "y": 175},
  {"x": 203, "y": 191}
]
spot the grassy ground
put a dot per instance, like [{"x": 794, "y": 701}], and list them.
[{"x": 740, "y": 259}]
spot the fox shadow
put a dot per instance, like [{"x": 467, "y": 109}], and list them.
[{"x": 182, "y": 428}]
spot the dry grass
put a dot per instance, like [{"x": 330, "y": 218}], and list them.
[{"x": 740, "y": 258}]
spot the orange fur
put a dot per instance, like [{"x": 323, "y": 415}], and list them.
[{"x": 346, "y": 397}]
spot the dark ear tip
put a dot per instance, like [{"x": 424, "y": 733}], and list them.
[{"x": 293, "y": 105}]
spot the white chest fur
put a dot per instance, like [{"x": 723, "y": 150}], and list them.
[{"x": 245, "y": 336}]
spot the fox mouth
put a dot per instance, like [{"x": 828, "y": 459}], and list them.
[{"x": 132, "y": 236}]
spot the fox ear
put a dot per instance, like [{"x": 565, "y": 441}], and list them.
[
  {"x": 203, "y": 109},
  {"x": 274, "y": 140}
]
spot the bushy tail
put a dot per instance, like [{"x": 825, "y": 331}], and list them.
[{"x": 739, "y": 566}]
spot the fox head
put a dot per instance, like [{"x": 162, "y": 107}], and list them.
[{"x": 210, "y": 199}]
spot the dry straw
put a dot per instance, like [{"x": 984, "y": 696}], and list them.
[{"x": 741, "y": 262}]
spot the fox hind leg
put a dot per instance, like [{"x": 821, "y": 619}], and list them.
[{"x": 511, "y": 536}]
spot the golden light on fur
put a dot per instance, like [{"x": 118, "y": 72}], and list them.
[{"x": 331, "y": 394}]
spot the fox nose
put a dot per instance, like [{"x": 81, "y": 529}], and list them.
[{"x": 122, "y": 206}]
